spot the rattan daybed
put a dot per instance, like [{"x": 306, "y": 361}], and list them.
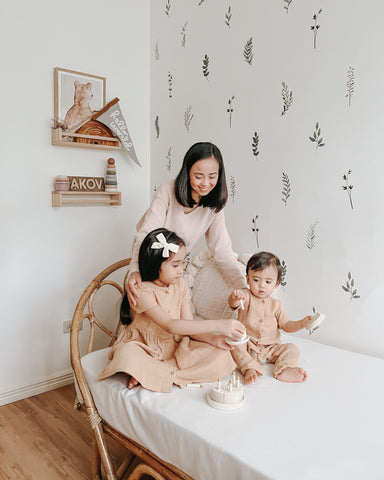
[{"x": 329, "y": 427}]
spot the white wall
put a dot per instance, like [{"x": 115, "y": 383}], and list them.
[
  {"x": 49, "y": 255},
  {"x": 344, "y": 239}
]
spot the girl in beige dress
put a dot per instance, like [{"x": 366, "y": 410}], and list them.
[{"x": 159, "y": 345}]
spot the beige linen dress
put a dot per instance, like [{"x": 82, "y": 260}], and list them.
[{"x": 158, "y": 359}]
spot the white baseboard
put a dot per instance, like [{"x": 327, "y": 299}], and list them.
[{"x": 49, "y": 383}]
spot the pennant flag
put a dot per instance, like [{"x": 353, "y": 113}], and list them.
[{"x": 111, "y": 116}]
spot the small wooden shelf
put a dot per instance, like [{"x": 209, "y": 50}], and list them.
[
  {"x": 78, "y": 140},
  {"x": 59, "y": 198}
]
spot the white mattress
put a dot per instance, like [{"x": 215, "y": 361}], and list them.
[{"x": 330, "y": 427}]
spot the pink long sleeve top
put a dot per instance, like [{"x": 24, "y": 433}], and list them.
[{"x": 165, "y": 211}]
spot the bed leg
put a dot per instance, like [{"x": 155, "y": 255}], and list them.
[
  {"x": 96, "y": 463},
  {"x": 101, "y": 456}
]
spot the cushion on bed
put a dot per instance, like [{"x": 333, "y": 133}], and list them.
[{"x": 210, "y": 291}]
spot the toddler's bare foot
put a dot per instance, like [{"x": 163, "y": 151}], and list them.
[
  {"x": 293, "y": 375},
  {"x": 250, "y": 376},
  {"x": 132, "y": 382}
]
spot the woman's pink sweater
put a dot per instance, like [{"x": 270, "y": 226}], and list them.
[{"x": 165, "y": 211}]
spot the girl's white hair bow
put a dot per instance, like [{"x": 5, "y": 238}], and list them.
[{"x": 162, "y": 243}]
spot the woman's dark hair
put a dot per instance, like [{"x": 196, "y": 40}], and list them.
[
  {"x": 217, "y": 198},
  {"x": 150, "y": 260},
  {"x": 262, "y": 260}
]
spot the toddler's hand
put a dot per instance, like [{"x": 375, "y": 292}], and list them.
[
  {"x": 306, "y": 320},
  {"x": 236, "y": 297}
]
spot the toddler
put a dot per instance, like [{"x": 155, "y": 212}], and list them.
[{"x": 263, "y": 317}]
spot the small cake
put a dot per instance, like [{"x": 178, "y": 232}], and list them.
[{"x": 227, "y": 397}]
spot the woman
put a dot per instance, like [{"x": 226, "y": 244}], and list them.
[{"x": 192, "y": 206}]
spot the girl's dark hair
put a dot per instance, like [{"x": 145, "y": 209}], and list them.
[
  {"x": 217, "y": 198},
  {"x": 262, "y": 260},
  {"x": 150, "y": 260}
]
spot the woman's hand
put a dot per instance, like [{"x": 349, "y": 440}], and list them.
[
  {"x": 132, "y": 286},
  {"x": 232, "y": 328}
]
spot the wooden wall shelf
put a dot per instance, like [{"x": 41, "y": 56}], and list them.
[
  {"x": 78, "y": 140},
  {"x": 60, "y": 198}
]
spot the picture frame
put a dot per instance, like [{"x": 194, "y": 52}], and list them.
[{"x": 64, "y": 91}]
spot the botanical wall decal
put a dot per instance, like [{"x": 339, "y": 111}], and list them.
[
  {"x": 205, "y": 66},
  {"x": 286, "y": 188},
  {"x": 170, "y": 82},
  {"x": 316, "y": 137},
  {"x": 228, "y": 17},
  {"x": 169, "y": 160},
  {"x": 188, "y": 117},
  {"x": 255, "y": 229},
  {"x": 287, "y": 4},
  {"x": 348, "y": 187},
  {"x": 311, "y": 236},
  {"x": 168, "y": 7},
  {"x": 283, "y": 282},
  {"x": 350, "y": 84},
  {"x": 232, "y": 188},
  {"x": 349, "y": 288},
  {"x": 183, "y": 34},
  {"x": 248, "y": 54},
  {"x": 157, "y": 126},
  {"x": 255, "y": 145},
  {"x": 315, "y": 27},
  {"x": 214, "y": 58},
  {"x": 287, "y": 98},
  {"x": 230, "y": 110},
  {"x": 157, "y": 56}
]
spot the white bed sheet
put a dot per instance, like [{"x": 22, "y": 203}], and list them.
[{"x": 330, "y": 427}]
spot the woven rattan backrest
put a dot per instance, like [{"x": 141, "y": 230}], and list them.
[{"x": 85, "y": 311}]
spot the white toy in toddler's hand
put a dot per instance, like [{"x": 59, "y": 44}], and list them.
[{"x": 314, "y": 324}]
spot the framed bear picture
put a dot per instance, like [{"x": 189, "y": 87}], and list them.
[{"x": 77, "y": 96}]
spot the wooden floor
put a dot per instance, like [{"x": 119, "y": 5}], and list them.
[{"x": 45, "y": 438}]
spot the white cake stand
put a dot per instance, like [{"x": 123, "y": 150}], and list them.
[{"x": 225, "y": 406}]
